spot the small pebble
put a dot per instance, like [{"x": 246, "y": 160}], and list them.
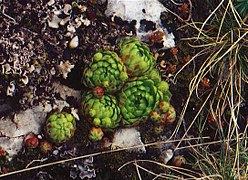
[{"x": 74, "y": 42}]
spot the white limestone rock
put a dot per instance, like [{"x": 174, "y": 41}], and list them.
[
  {"x": 14, "y": 129},
  {"x": 126, "y": 138},
  {"x": 149, "y": 10}
]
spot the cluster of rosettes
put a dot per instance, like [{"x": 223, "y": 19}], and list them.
[{"x": 125, "y": 90}]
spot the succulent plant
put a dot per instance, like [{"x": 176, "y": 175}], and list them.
[
  {"x": 158, "y": 129},
  {"x": 60, "y": 127},
  {"x": 163, "y": 86},
  {"x": 96, "y": 134},
  {"x": 136, "y": 56},
  {"x": 103, "y": 112},
  {"x": 154, "y": 75},
  {"x": 46, "y": 147},
  {"x": 169, "y": 116},
  {"x": 163, "y": 114},
  {"x": 106, "y": 71},
  {"x": 178, "y": 161},
  {"x": 98, "y": 92},
  {"x": 32, "y": 142},
  {"x": 137, "y": 99},
  {"x": 3, "y": 152},
  {"x": 127, "y": 89},
  {"x": 164, "y": 106},
  {"x": 155, "y": 115}
]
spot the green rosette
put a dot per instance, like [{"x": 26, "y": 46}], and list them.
[
  {"x": 137, "y": 99},
  {"x": 136, "y": 56},
  {"x": 106, "y": 71},
  {"x": 163, "y": 86},
  {"x": 60, "y": 127},
  {"x": 103, "y": 112}
]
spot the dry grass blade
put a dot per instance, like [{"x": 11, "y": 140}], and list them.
[
  {"x": 209, "y": 17},
  {"x": 180, "y": 170},
  {"x": 209, "y": 143},
  {"x": 137, "y": 170}
]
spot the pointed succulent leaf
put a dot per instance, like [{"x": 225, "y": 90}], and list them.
[{"x": 96, "y": 121}]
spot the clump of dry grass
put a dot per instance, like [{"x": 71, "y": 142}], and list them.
[{"x": 222, "y": 40}]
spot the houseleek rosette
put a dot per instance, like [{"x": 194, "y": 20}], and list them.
[
  {"x": 136, "y": 56},
  {"x": 103, "y": 112},
  {"x": 96, "y": 134},
  {"x": 164, "y": 113},
  {"x": 137, "y": 99},
  {"x": 106, "y": 71},
  {"x": 60, "y": 127}
]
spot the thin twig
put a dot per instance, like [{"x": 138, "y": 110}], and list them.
[{"x": 36, "y": 160}]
